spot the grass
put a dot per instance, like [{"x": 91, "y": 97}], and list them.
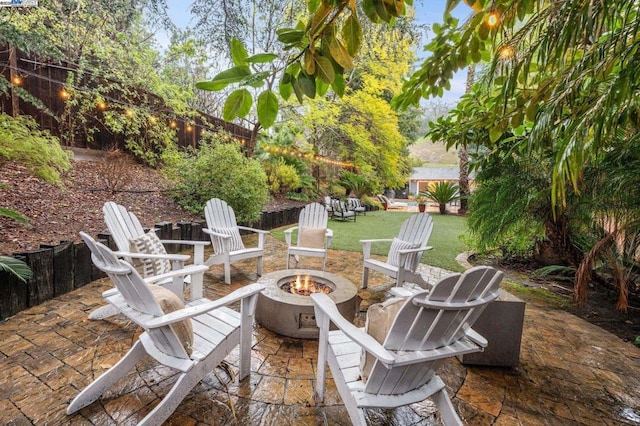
[{"x": 383, "y": 224}]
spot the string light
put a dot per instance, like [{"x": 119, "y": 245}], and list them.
[
  {"x": 309, "y": 156},
  {"x": 505, "y": 52},
  {"x": 153, "y": 119},
  {"x": 129, "y": 112},
  {"x": 64, "y": 94},
  {"x": 173, "y": 124},
  {"x": 102, "y": 105},
  {"x": 17, "y": 80},
  {"x": 188, "y": 128},
  {"x": 493, "y": 18}
]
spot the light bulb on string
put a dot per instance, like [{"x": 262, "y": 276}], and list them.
[{"x": 493, "y": 18}]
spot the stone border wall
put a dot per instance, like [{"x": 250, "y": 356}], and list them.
[{"x": 58, "y": 269}]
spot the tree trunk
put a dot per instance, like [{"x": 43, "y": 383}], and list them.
[
  {"x": 463, "y": 182},
  {"x": 443, "y": 208}
]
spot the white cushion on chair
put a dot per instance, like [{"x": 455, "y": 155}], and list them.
[
  {"x": 236, "y": 240},
  {"x": 312, "y": 237},
  {"x": 394, "y": 255},
  {"x": 149, "y": 243},
  {"x": 380, "y": 317},
  {"x": 170, "y": 302}
]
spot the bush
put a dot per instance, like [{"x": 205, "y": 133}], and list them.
[
  {"x": 218, "y": 170},
  {"x": 283, "y": 178}
]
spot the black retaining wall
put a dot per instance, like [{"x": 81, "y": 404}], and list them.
[{"x": 67, "y": 266}]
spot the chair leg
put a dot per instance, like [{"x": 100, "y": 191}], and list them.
[
  {"x": 227, "y": 273},
  {"x": 102, "y": 383},
  {"x": 259, "y": 272},
  {"x": 170, "y": 402},
  {"x": 365, "y": 277},
  {"x": 448, "y": 413}
]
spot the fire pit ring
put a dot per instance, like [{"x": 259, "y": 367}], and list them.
[{"x": 292, "y": 315}]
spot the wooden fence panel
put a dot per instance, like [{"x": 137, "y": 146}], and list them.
[
  {"x": 63, "y": 267},
  {"x": 40, "y": 286},
  {"x": 82, "y": 264},
  {"x": 14, "y": 295}
]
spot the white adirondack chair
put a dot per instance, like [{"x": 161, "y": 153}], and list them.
[
  {"x": 225, "y": 236},
  {"x": 216, "y": 331},
  {"x": 427, "y": 328},
  {"x": 125, "y": 226},
  {"x": 313, "y": 236},
  {"x": 404, "y": 254}
]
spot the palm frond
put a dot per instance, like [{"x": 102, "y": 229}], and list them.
[{"x": 15, "y": 267}]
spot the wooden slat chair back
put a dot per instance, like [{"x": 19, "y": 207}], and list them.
[
  {"x": 313, "y": 218},
  {"x": 123, "y": 227},
  {"x": 428, "y": 328},
  {"x": 228, "y": 247},
  {"x": 403, "y": 264},
  {"x": 217, "y": 330}
]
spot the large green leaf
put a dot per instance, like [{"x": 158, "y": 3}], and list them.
[
  {"x": 352, "y": 34},
  {"x": 222, "y": 80},
  {"x": 267, "y": 108},
  {"x": 238, "y": 52},
  {"x": 340, "y": 55},
  {"x": 339, "y": 85},
  {"x": 290, "y": 36},
  {"x": 238, "y": 104},
  {"x": 15, "y": 267},
  {"x": 312, "y": 5},
  {"x": 307, "y": 84},
  {"x": 324, "y": 69},
  {"x": 261, "y": 58}
]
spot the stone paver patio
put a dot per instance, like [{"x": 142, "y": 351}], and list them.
[{"x": 570, "y": 373}]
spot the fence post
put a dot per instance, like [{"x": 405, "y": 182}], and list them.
[
  {"x": 82, "y": 263},
  {"x": 40, "y": 286},
  {"x": 63, "y": 267},
  {"x": 14, "y": 295}
]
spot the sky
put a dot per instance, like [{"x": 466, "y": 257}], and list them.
[{"x": 427, "y": 12}]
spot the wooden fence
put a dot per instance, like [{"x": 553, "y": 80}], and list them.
[
  {"x": 46, "y": 82},
  {"x": 67, "y": 266}
]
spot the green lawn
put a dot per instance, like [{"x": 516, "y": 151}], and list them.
[{"x": 382, "y": 224}]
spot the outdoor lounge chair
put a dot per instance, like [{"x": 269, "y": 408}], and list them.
[
  {"x": 136, "y": 246},
  {"x": 313, "y": 235},
  {"x": 391, "y": 204},
  {"x": 355, "y": 205},
  {"x": 228, "y": 246},
  {"x": 404, "y": 254},
  {"x": 341, "y": 211},
  {"x": 393, "y": 361},
  {"x": 192, "y": 339}
]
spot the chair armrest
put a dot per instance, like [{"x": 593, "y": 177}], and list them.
[
  {"x": 380, "y": 240},
  {"x": 136, "y": 255},
  {"x": 368, "y": 343},
  {"x": 476, "y": 338},
  {"x": 415, "y": 250},
  {"x": 189, "y": 270},
  {"x": 186, "y": 242},
  {"x": 257, "y": 231},
  {"x": 287, "y": 234},
  {"x": 328, "y": 236},
  {"x": 215, "y": 234},
  {"x": 191, "y": 311}
]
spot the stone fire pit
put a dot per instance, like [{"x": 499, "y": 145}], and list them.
[{"x": 292, "y": 314}]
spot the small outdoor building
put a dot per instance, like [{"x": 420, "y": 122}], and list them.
[{"x": 422, "y": 177}]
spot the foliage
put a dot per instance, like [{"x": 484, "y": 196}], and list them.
[
  {"x": 282, "y": 178},
  {"x": 442, "y": 193},
  {"x": 357, "y": 184},
  {"x": 318, "y": 54},
  {"x": 16, "y": 268},
  {"x": 22, "y": 141},
  {"x": 218, "y": 170},
  {"x": 115, "y": 83}
]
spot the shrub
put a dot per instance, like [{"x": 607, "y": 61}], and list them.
[
  {"x": 283, "y": 178},
  {"x": 442, "y": 193},
  {"x": 218, "y": 170}
]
